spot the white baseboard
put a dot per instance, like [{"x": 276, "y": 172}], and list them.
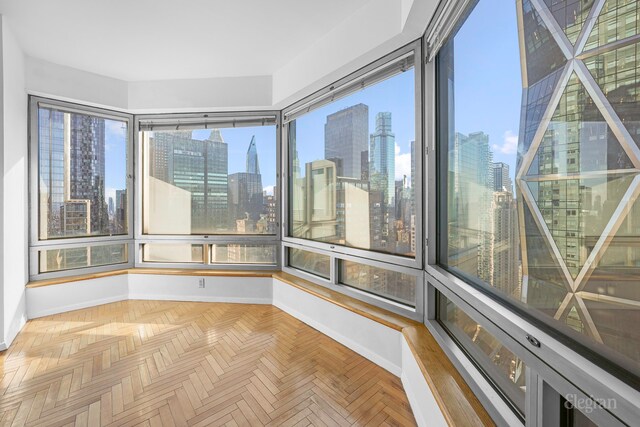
[
  {"x": 200, "y": 298},
  {"x": 77, "y": 306}
]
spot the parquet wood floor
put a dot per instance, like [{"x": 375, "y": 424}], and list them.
[{"x": 161, "y": 363}]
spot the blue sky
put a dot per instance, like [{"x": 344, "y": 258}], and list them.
[
  {"x": 488, "y": 81},
  {"x": 488, "y": 90},
  {"x": 395, "y": 95}
]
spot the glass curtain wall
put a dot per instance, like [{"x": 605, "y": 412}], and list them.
[{"x": 538, "y": 128}]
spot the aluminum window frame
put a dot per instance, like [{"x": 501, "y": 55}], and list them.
[
  {"x": 206, "y": 263},
  {"x": 333, "y": 283},
  {"x": 206, "y": 239},
  {"x": 554, "y": 369},
  {"x": 344, "y": 87},
  {"x": 35, "y": 243}
]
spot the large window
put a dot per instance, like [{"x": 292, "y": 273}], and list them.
[
  {"x": 209, "y": 190},
  {"x": 81, "y": 165},
  {"x": 209, "y": 179},
  {"x": 539, "y": 168},
  {"x": 352, "y": 163}
]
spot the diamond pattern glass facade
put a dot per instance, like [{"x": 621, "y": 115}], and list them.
[{"x": 578, "y": 172}]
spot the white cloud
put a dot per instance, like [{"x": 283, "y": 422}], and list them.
[
  {"x": 269, "y": 190},
  {"x": 509, "y": 145},
  {"x": 403, "y": 164}
]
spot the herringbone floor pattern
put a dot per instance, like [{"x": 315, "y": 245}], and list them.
[{"x": 158, "y": 363}]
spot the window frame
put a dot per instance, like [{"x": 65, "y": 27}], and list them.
[
  {"x": 345, "y": 85},
  {"x": 333, "y": 282},
  {"x": 206, "y": 240},
  {"x": 35, "y": 243},
  {"x": 554, "y": 369},
  {"x": 408, "y": 265}
]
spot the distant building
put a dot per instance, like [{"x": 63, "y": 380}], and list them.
[
  {"x": 382, "y": 157},
  {"x": 76, "y": 217},
  {"x": 501, "y": 177},
  {"x": 505, "y": 263},
  {"x": 345, "y": 138},
  {"x": 469, "y": 204},
  {"x": 246, "y": 199},
  {"x": 200, "y": 167}
]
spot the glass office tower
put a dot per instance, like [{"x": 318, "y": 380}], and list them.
[{"x": 578, "y": 166}]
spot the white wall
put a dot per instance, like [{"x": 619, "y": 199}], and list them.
[
  {"x": 376, "y": 29},
  {"x": 66, "y": 83},
  {"x": 225, "y": 93},
  {"x": 229, "y": 93},
  {"x": 54, "y": 299},
  {"x": 14, "y": 183},
  {"x": 247, "y": 290}
]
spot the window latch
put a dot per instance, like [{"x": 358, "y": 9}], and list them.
[{"x": 533, "y": 341}]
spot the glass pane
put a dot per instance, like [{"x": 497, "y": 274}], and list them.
[
  {"x": 82, "y": 175},
  {"x": 394, "y": 285},
  {"x": 82, "y": 257},
  {"x": 505, "y": 369},
  {"x": 243, "y": 254},
  {"x": 311, "y": 262},
  {"x": 172, "y": 252},
  {"x": 353, "y": 169},
  {"x": 539, "y": 186},
  {"x": 210, "y": 181}
]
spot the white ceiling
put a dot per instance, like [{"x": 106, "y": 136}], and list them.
[{"x": 137, "y": 40}]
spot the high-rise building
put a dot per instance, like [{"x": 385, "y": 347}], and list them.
[
  {"x": 86, "y": 167},
  {"x": 382, "y": 157},
  {"x": 505, "y": 263},
  {"x": 51, "y": 160},
  {"x": 121, "y": 212},
  {"x": 246, "y": 202},
  {"x": 76, "y": 217},
  {"x": 72, "y": 167},
  {"x": 413, "y": 167},
  {"x": 470, "y": 196},
  {"x": 575, "y": 172},
  {"x": 271, "y": 209},
  {"x": 382, "y": 184},
  {"x": 200, "y": 167},
  {"x": 346, "y": 137},
  {"x": 501, "y": 178},
  {"x": 253, "y": 166}
]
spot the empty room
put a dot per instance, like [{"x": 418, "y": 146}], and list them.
[{"x": 336, "y": 213}]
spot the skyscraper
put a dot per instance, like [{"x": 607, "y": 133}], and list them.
[
  {"x": 382, "y": 158},
  {"x": 72, "y": 168},
  {"x": 505, "y": 265},
  {"x": 382, "y": 184},
  {"x": 246, "y": 200},
  {"x": 470, "y": 196},
  {"x": 253, "y": 166},
  {"x": 200, "y": 167},
  {"x": 577, "y": 169},
  {"x": 501, "y": 178},
  {"x": 345, "y": 138},
  {"x": 86, "y": 164}
]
